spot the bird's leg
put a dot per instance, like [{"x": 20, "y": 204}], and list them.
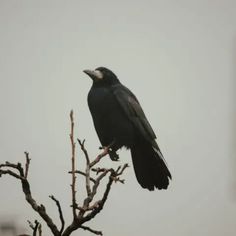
[
  {"x": 112, "y": 148},
  {"x": 113, "y": 155}
]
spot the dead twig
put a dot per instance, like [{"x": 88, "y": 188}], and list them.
[
  {"x": 84, "y": 174},
  {"x": 27, "y": 164},
  {"x": 87, "y": 170},
  {"x": 35, "y": 227},
  {"x": 100, "y": 156},
  {"x": 91, "y": 230},
  {"x": 60, "y": 212},
  {"x": 89, "y": 209},
  {"x": 40, "y": 229},
  {"x": 74, "y": 204}
]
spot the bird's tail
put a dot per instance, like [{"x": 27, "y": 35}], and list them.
[{"x": 149, "y": 166}]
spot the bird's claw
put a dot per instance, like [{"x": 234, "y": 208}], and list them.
[{"x": 113, "y": 155}]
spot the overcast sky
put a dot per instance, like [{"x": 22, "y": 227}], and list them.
[{"x": 176, "y": 56}]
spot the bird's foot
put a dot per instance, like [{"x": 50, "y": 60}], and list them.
[
  {"x": 111, "y": 150},
  {"x": 113, "y": 155}
]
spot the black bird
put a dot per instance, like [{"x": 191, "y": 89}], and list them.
[{"x": 120, "y": 121}]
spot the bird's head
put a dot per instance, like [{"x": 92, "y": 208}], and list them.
[{"x": 102, "y": 75}]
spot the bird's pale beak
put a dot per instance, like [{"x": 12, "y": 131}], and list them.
[{"x": 94, "y": 74}]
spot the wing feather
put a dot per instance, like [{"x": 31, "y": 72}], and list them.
[{"x": 133, "y": 110}]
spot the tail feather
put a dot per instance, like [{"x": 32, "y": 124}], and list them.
[{"x": 149, "y": 166}]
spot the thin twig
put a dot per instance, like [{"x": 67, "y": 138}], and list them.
[
  {"x": 34, "y": 227},
  {"x": 89, "y": 199},
  {"x": 98, "y": 170},
  {"x": 87, "y": 170},
  {"x": 13, "y": 174},
  {"x": 113, "y": 174},
  {"x": 60, "y": 212},
  {"x": 17, "y": 166},
  {"x": 90, "y": 208},
  {"x": 91, "y": 230},
  {"x": 98, "y": 180},
  {"x": 74, "y": 204},
  {"x": 40, "y": 230},
  {"x": 27, "y": 164},
  {"x": 100, "y": 156},
  {"x": 84, "y": 174},
  {"x": 101, "y": 203},
  {"x": 30, "y": 224},
  {"x": 84, "y": 150}
]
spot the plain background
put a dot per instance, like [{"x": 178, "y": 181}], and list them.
[{"x": 178, "y": 57}]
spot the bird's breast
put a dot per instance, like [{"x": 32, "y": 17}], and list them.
[
  {"x": 109, "y": 118},
  {"x": 100, "y": 100}
]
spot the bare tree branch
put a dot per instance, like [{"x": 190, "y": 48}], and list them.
[
  {"x": 35, "y": 227},
  {"x": 26, "y": 189},
  {"x": 87, "y": 171},
  {"x": 100, "y": 156},
  {"x": 9, "y": 172},
  {"x": 113, "y": 174},
  {"x": 74, "y": 204},
  {"x": 60, "y": 212},
  {"x": 27, "y": 164},
  {"x": 93, "y": 208},
  {"x": 31, "y": 225},
  {"x": 89, "y": 208},
  {"x": 91, "y": 230},
  {"x": 84, "y": 174}
]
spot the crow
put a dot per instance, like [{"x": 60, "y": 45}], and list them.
[{"x": 120, "y": 122}]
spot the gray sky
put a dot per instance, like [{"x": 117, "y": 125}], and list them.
[{"x": 176, "y": 56}]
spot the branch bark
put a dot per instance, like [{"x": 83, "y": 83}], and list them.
[
  {"x": 60, "y": 213},
  {"x": 74, "y": 204}
]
